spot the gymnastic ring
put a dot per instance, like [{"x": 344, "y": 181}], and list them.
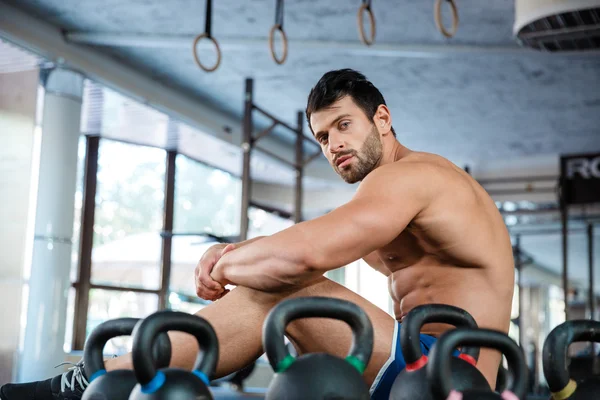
[
  {"x": 278, "y": 27},
  {"x": 438, "y": 18},
  {"x": 361, "y": 28},
  {"x": 195, "y": 52}
]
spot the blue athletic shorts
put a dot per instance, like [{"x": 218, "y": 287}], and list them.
[{"x": 382, "y": 385}]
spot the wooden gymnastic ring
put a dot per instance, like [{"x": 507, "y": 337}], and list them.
[
  {"x": 195, "y": 52},
  {"x": 278, "y": 27},
  {"x": 361, "y": 28},
  {"x": 438, "y": 18}
]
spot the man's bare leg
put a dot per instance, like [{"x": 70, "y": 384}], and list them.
[{"x": 238, "y": 319}]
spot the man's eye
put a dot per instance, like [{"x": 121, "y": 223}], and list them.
[
  {"x": 323, "y": 138},
  {"x": 344, "y": 125}
]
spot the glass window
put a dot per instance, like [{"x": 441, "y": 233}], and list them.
[
  {"x": 263, "y": 223},
  {"x": 185, "y": 254},
  {"x": 183, "y": 304},
  {"x": 206, "y": 199},
  {"x": 129, "y": 213},
  {"x": 369, "y": 283},
  {"x": 110, "y": 304}
]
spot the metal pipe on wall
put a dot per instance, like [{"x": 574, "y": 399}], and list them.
[
  {"x": 519, "y": 267},
  {"x": 565, "y": 255},
  {"x": 167, "y": 241},
  {"x": 591, "y": 294},
  {"x": 299, "y": 168},
  {"x": 247, "y": 149}
]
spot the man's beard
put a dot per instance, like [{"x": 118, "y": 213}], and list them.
[{"x": 365, "y": 160}]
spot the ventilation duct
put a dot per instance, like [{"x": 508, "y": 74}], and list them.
[{"x": 558, "y": 25}]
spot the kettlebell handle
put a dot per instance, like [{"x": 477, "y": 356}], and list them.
[
  {"x": 162, "y": 321},
  {"x": 554, "y": 353},
  {"x": 92, "y": 352},
  {"x": 436, "y": 313},
  {"x": 439, "y": 366},
  {"x": 317, "y": 307}
]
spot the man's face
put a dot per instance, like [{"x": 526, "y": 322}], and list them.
[{"x": 349, "y": 140}]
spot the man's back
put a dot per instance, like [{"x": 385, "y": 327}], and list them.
[{"x": 455, "y": 251}]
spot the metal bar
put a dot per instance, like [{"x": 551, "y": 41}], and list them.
[
  {"x": 299, "y": 169},
  {"x": 583, "y": 32},
  {"x": 265, "y": 132},
  {"x": 591, "y": 293},
  {"x": 541, "y": 232},
  {"x": 86, "y": 241},
  {"x": 312, "y": 157},
  {"x": 415, "y": 50},
  {"x": 274, "y": 119},
  {"x": 167, "y": 241},
  {"x": 565, "y": 258},
  {"x": 125, "y": 289},
  {"x": 502, "y": 192},
  {"x": 519, "y": 267},
  {"x": 276, "y": 156},
  {"x": 518, "y": 179},
  {"x": 247, "y": 149}
]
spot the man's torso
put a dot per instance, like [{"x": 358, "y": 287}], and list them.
[{"x": 456, "y": 251}]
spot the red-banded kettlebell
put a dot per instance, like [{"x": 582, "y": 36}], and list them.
[
  {"x": 174, "y": 383},
  {"x": 317, "y": 376},
  {"x": 439, "y": 369},
  {"x": 411, "y": 383},
  {"x": 116, "y": 384},
  {"x": 554, "y": 360}
]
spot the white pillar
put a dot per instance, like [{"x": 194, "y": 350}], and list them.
[{"x": 51, "y": 262}]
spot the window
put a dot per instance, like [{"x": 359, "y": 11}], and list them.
[
  {"x": 206, "y": 199},
  {"x": 128, "y": 219},
  {"x": 110, "y": 304},
  {"x": 185, "y": 254},
  {"x": 369, "y": 283},
  {"x": 263, "y": 223}
]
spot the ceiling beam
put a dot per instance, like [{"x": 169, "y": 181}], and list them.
[{"x": 356, "y": 48}]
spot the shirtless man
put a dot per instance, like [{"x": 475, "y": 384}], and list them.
[{"x": 415, "y": 217}]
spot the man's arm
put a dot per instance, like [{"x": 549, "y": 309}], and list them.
[{"x": 385, "y": 203}]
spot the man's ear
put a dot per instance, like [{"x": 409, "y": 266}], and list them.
[{"x": 383, "y": 120}]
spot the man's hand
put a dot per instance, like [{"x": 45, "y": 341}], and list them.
[{"x": 206, "y": 287}]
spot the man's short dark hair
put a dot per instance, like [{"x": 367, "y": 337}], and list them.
[{"x": 340, "y": 83}]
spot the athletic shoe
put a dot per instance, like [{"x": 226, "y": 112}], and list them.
[{"x": 67, "y": 386}]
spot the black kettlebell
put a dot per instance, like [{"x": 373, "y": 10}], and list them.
[
  {"x": 554, "y": 361},
  {"x": 439, "y": 369},
  {"x": 117, "y": 384},
  {"x": 174, "y": 383},
  {"x": 411, "y": 383},
  {"x": 318, "y": 376}
]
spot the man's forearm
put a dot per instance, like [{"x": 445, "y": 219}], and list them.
[{"x": 271, "y": 264}]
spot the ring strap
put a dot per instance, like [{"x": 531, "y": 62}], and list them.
[
  {"x": 208, "y": 21},
  {"x": 279, "y": 14}
]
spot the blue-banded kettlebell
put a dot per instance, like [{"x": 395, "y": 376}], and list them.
[
  {"x": 117, "y": 384},
  {"x": 411, "y": 383},
  {"x": 317, "y": 376},
  {"x": 554, "y": 361},
  {"x": 439, "y": 368},
  {"x": 174, "y": 383}
]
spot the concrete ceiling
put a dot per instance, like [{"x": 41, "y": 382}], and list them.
[{"x": 472, "y": 107}]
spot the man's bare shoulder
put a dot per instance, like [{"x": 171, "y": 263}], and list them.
[{"x": 418, "y": 167}]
